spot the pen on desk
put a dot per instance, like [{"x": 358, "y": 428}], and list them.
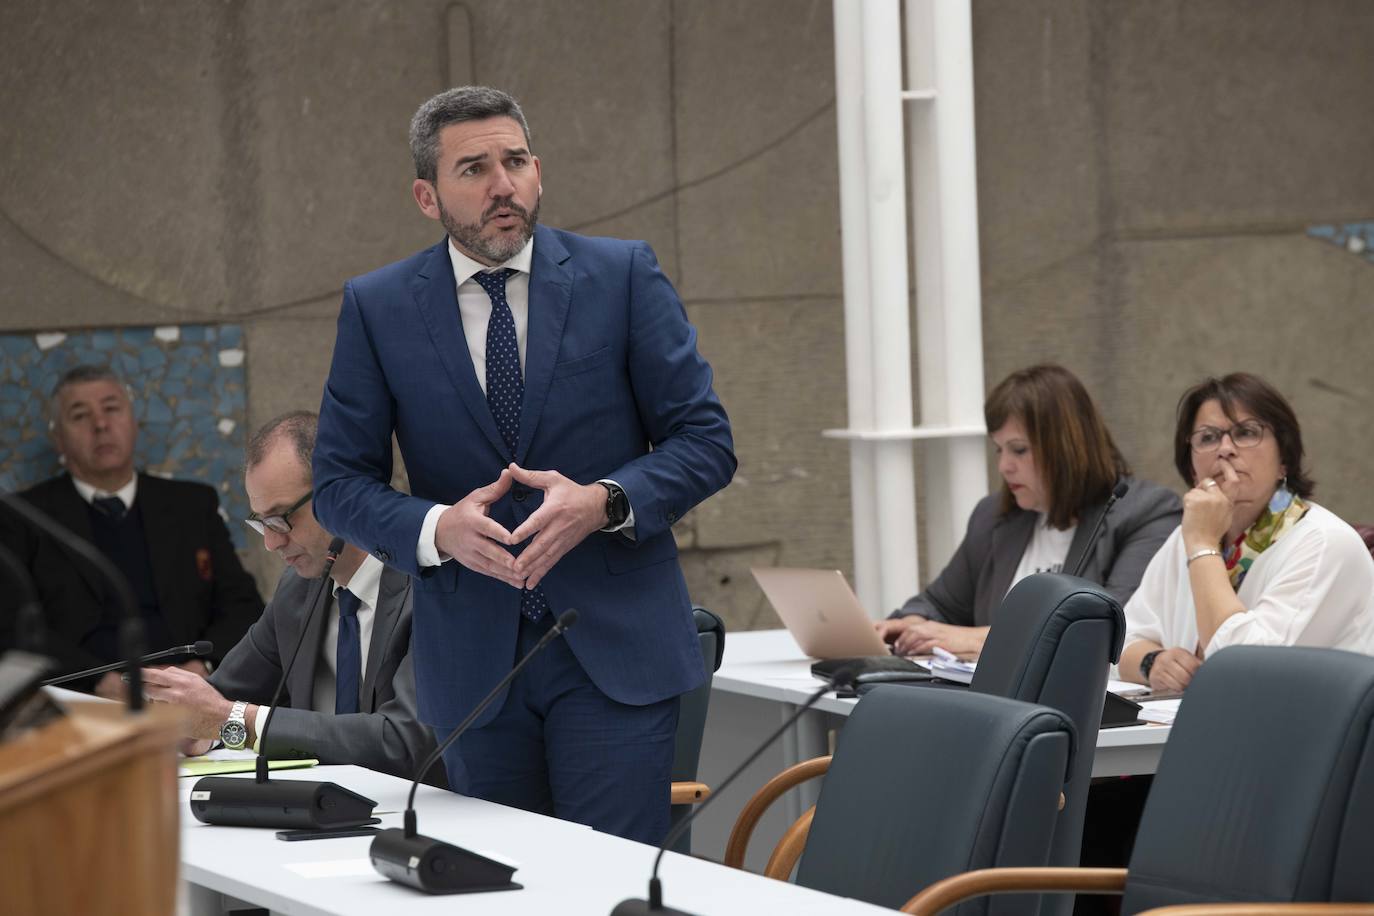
[{"x": 943, "y": 654}]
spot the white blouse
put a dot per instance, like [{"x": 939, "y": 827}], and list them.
[{"x": 1315, "y": 587}]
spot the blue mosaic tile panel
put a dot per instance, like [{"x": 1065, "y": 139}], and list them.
[
  {"x": 1356, "y": 238},
  {"x": 189, "y": 397}
]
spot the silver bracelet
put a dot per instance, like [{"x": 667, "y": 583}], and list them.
[{"x": 1199, "y": 554}]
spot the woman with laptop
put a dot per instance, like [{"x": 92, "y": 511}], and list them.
[
  {"x": 1059, "y": 465},
  {"x": 1255, "y": 561}
]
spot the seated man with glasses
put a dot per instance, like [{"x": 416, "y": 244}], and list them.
[
  {"x": 1255, "y": 561},
  {"x": 350, "y": 696}
]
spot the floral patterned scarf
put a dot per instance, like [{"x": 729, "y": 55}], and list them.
[{"x": 1285, "y": 510}]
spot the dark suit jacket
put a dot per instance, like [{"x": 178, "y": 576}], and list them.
[
  {"x": 614, "y": 388},
  {"x": 385, "y": 734},
  {"x": 202, "y": 590},
  {"x": 972, "y": 586}
]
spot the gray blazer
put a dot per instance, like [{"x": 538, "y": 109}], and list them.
[
  {"x": 385, "y": 735},
  {"x": 972, "y": 586}
]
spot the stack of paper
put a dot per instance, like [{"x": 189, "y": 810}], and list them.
[
  {"x": 946, "y": 665},
  {"x": 1161, "y": 711}
]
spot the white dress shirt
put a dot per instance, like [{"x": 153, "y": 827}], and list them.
[
  {"x": 474, "y": 307},
  {"x": 125, "y": 493},
  {"x": 364, "y": 584}
]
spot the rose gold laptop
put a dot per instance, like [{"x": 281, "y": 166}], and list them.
[{"x": 821, "y": 612}]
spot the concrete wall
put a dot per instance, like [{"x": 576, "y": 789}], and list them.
[{"x": 1146, "y": 174}]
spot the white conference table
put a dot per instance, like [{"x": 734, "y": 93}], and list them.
[
  {"x": 564, "y": 867},
  {"x": 763, "y": 679}
]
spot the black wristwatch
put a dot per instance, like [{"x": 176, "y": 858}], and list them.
[
  {"x": 617, "y": 506},
  {"x": 1147, "y": 663}
]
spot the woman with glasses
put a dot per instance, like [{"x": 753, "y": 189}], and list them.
[
  {"x": 1255, "y": 561},
  {"x": 1058, "y": 465}
]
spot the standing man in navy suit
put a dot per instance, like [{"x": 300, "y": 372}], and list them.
[{"x": 555, "y": 419}]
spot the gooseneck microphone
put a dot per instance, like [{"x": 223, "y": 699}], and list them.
[
  {"x": 843, "y": 679},
  {"x": 131, "y": 627},
  {"x": 431, "y": 865},
  {"x": 332, "y": 552},
  {"x": 299, "y": 804},
  {"x": 199, "y": 649},
  {"x": 1117, "y": 492}
]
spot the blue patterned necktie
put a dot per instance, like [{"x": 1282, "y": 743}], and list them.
[
  {"x": 506, "y": 391},
  {"x": 348, "y": 662}
]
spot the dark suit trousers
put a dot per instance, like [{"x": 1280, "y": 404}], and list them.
[{"x": 560, "y": 746}]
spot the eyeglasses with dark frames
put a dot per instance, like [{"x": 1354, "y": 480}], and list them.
[
  {"x": 1245, "y": 435},
  {"x": 278, "y": 523}
]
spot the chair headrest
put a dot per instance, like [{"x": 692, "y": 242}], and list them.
[
  {"x": 1027, "y": 628},
  {"x": 926, "y": 784}
]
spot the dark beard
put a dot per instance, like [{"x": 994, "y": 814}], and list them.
[{"x": 468, "y": 236}]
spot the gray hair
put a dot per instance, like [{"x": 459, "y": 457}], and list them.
[
  {"x": 297, "y": 427},
  {"x": 454, "y": 106},
  {"x": 79, "y": 375}
]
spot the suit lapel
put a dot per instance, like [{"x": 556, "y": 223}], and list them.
[
  {"x": 385, "y": 615},
  {"x": 1010, "y": 537},
  {"x": 437, "y": 299},
  {"x": 1086, "y": 523},
  {"x": 68, "y": 509},
  {"x": 301, "y": 685},
  {"x": 550, "y": 294}
]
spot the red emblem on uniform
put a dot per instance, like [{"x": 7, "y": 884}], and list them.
[{"x": 204, "y": 568}]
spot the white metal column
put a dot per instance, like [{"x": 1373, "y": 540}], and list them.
[
  {"x": 949, "y": 312},
  {"x": 869, "y": 110},
  {"x": 868, "y": 50}
]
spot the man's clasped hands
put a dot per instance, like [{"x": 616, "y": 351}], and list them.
[{"x": 570, "y": 511}]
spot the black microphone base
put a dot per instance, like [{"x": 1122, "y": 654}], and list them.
[
  {"x": 637, "y": 907},
  {"x": 289, "y": 803},
  {"x": 436, "y": 867},
  {"x": 1118, "y": 711}
]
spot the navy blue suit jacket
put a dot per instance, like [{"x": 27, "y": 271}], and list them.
[{"x": 614, "y": 388}]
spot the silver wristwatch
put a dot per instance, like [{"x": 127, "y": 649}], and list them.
[{"x": 233, "y": 734}]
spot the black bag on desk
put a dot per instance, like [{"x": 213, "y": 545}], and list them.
[{"x": 875, "y": 669}]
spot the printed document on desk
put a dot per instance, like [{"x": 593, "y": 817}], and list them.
[
  {"x": 222, "y": 760},
  {"x": 1159, "y": 711}
]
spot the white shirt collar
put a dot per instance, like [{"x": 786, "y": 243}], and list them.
[
  {"x": 366, "y": 582},
  {"x": 125, "y": 493},
  {"x": 464, "y": 267}
]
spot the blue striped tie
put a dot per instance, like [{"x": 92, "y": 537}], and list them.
[{"x": 506, "y": 391}]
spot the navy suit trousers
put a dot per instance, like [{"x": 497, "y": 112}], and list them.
[{"x": 559, "y": 746}]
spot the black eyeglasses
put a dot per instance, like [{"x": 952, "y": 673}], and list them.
[
  {"x": 278, "y": 523},
  {"x": 1245, "y": 435}
]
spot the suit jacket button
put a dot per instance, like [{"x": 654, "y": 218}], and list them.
[
  {"x": 519, "y": 494},
  {"x": 383, "y": 555},
  {"x": 672, "y": 517}
]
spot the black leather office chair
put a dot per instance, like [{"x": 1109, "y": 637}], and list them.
[
  {"x": 691, "y": 724},
  {"x": 1052, "y": 641},
  {"x": 924, "y": 782},
  {"x": 1264, "y": 795}
]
